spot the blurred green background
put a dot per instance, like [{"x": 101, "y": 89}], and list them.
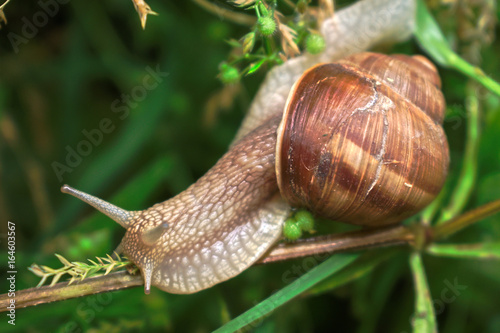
[{"x": 78, "y": 68}]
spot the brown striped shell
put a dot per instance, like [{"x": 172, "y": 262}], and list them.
[{"x": 359, "y": 143}]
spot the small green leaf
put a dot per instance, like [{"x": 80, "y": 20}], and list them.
[
  {"x": 37, "y": 270},
  {"x": 228, "y": 74},
  {"x": 424, "y": 320},
  {"x": 56, "y": 278},
  {"x": 430, "y": 36},
  {"x": 42, "y": 281},
  {"x": 476, "y": 251},
  {"x": 234, "y": 43},
  {"x": 109, "y": 269},
  {"x": 64, "y": 261},
  {"x": 77, "y": 269},
  {"x": 73, "y": 278},
  {"x": 255, "y": 66}
]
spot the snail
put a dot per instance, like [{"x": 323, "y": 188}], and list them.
[
  {"x": 379, "y": 158},
  {"x": 359, "y": 141}
]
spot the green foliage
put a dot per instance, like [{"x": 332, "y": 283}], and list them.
[
  {"x": 274, "y": 36},
  {"x": 434, "y": 42},
  {"x": 78, "y": 270},
  {"x": 228, "y": 74},
  {"x": 424, "y": 320}
]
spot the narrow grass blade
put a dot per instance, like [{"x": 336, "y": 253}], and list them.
[
  {"x": 365, "y": 264},
  {"x": 431, "y": 39},
  {"x": 303, "y": 283}
]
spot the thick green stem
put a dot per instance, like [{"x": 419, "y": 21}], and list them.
[{"x": 468, "y": 174}]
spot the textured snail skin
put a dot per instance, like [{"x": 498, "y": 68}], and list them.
[
  {"x": 200, "y": 248},
  {"x": 231, "y": 216},
  {"x": 361, "y": 139}
]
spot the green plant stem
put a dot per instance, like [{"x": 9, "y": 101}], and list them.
[
  {"x": 238, "y": 18},
  {"x": 4, "y": 4},
  {"x": 450, "y": 227},
  {"x": 472, "y": 251},
  {"x": 431, "y": 211},
  {"x": 424, "y": 320},
  {"x": 476, "y": 73},
  {"x": 468, "y": 173}
]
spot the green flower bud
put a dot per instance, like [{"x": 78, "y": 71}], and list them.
[
  {"x": 248, "y": 41},
  {"x": 305, "y": 220},
  {"x": 291, "y": 229},
  {"x": 266, "y": 26},
  {"x": 228, "y": 74},
  {"x": 315, "y": 44}
]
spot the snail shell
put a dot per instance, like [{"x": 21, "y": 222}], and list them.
[{"x": 361, "y": 140}]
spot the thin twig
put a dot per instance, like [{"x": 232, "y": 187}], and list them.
[
  {"x": 2, "y": 14},
  {"x": 354, "y": 240},
  {"x": 122, "y": 280},
  {"x": 238, "y": 18},
  {"x": 62, "y": 291},
  {"x": 450, "y": 227},
  {"x": 348, "y": 241},
  {"x": 143, "y": 10}
]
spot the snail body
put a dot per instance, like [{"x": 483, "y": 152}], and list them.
[{"x": 387, "y": 150}]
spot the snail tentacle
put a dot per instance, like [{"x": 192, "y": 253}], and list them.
[{"x": 117, "y": 214}]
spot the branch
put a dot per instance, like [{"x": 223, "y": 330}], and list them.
[
  {"x": 62, "y": 291},
  {"x": 302, "y": 248},
  {"x": 2, "y": 14},
  {"x": 418, "y": 235},
  {"x": 238, "y": 18}
]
